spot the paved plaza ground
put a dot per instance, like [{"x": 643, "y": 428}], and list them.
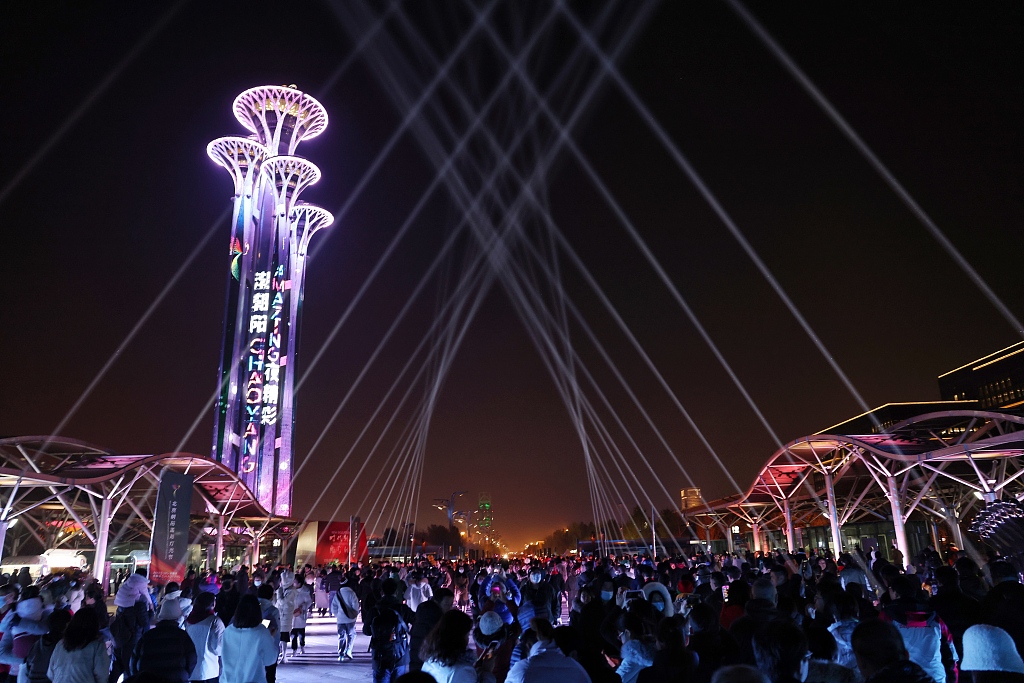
[{"x": 321, "y": 659}]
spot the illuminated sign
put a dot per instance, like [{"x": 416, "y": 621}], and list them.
[{"x": 270, "y": 231}]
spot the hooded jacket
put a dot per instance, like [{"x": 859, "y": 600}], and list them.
[
  {"x": 417, "y": 593},
  {"x": 842, "y": 631},
  {"x": 270, "y": 612},
  {"x": 89, "y": 664},
  {"x": 246, "y": 653},
  {"x": 22, "y": 627},
  {"x": 347, "y": 596},
  {"x": 547, "y": 664},
  {"x": 928, "y": 641},
  {"x": 654, "y": 587},
  {"x": 511, "y": 589},
  {"x": 134, "y": 589},
  {"x": 636, "y": 656},
  {"x": 293, "y": 600},
  {"x": 207, "y": 637}
]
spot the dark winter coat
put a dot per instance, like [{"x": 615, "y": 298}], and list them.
[
  {"x": 821, "y": 671},
  {"x": 127, "y": 628},
  {"x": 758, "y": 613},
  {"x": 670, "y": 666},
  {"x": 333, "y": 581},
  {"x": 227, "y": 603},
  {"x": 165, "y": 650},
  {"x": 38, "y": 660},
  {"x": 713, "y": 650},
  {"x": 1003, "y": 607},
  {"x": 427, "y": 615},
  {"x": 901, "y": 672},
  {"x": 958, "y": 611}
]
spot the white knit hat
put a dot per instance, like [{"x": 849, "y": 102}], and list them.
[
  {"x": 170, "y": 610},
  {"x": 490, "y": 623},
  {"x": 990, "y": 648}
]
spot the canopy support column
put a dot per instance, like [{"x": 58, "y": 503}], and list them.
[
  {"x": 756, "y": 529},
  {"x": 833, "y": 514},
  {"x": 220, "y": 542},
  {"x": 790, "y": 535},
  {"x": 102, "y": 525},
  {"x": 897, "y": 518},
  {"x": 935, "y": 537},
  {"x": 954, "y": 525}
]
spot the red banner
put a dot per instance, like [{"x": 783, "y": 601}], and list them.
[{"x": 332, "y": 544}]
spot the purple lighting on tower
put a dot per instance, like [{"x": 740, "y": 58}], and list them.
[{"x": 270, "y": 236}]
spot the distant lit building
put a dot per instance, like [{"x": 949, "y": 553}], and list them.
[
  {"x": 485, "y": 515},
  {"x": 995, "y": 381},
  {"x": 879, "y": 420},
  {"x": 690, "y": 499}
]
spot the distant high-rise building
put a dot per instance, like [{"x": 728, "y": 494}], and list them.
[
  {"x": 995, "y": 381},
  {"x": 691, "y": 498},
  {"x": 270, "y": 233},
  {"x": 484, "y": 511}
]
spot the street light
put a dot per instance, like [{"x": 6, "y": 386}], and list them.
[{"x": 448, "y": 505}]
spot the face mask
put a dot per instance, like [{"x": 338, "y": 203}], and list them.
[
  {"x": 658, "y": 605},
  {"x": 606, "y": 595},
  {"x": 535, "y": 578},
  {"x": 462, "y": 571},
  {"x": 257, "y": 583}
]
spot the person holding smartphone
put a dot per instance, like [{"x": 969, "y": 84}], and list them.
[{"x": 447, "y": 656}]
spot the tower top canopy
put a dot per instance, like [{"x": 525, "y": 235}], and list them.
[
  {"x": 240, "y": 156},
  {"x": 280, "y": 116}
]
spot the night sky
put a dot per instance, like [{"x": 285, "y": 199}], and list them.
[{"x": 97, "y": 228}]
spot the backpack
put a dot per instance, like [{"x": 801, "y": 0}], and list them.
[{"x": 389, "y": 638}]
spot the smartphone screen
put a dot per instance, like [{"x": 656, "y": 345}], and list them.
[
  {"x": 725, "y": 592},
  {"x": 488, "y": 651}
]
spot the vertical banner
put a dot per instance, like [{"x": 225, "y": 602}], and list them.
[
  {"x": 334, "y": 542},
  {"x": 168, "y": 548}
]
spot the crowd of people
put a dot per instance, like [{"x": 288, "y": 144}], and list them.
[{"x": 773, "y": 617}]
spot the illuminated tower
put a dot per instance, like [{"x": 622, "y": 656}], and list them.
[{"x": 270, "y": 236}]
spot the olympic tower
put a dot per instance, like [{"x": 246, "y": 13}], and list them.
[{"x": 270, "y": 234}]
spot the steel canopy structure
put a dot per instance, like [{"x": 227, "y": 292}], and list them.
[
  {"x": 69, "y": 493},
  {"x": 941, "y": 466}
]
